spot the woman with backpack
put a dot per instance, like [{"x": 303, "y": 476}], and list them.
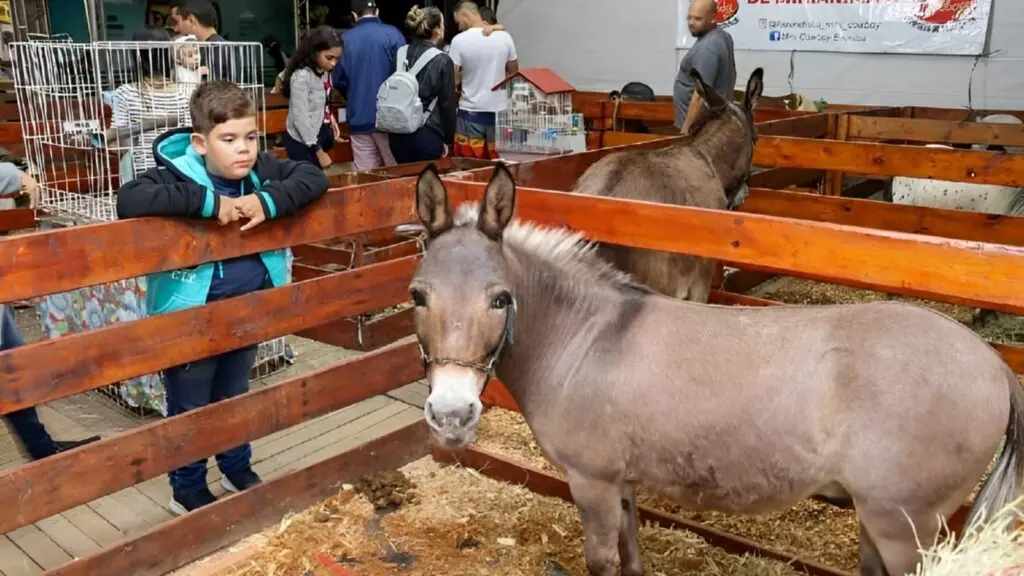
[
  {"x": 435, "y": 75},
  {"x": 311, "y": 128}
]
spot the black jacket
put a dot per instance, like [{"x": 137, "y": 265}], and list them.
[
  {"x": 169, "y": 190},
  {"x": 437, "y": 79}
]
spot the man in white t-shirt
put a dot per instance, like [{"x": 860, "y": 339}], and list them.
[{"x": 481, "y": 60}]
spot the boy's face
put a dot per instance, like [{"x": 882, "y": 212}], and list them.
[{"x": 230, "y": 148}]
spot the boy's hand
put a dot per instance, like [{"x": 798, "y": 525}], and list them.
[
  {"x": 250, "y": 207},
  {"x": 228, "y": 212}
]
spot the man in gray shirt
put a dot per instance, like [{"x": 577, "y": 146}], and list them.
[{"x": 712, "y": 56}]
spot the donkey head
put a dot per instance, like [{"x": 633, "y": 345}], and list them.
[
  {"x": 729, "y": 131},
  {"x": 464, "y": 308}
]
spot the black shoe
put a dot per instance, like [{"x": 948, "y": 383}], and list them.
[
  {"x": 184, "y": 502},
  {"x": 240, "y": 481},
  {"x": 65, "y": 445}
]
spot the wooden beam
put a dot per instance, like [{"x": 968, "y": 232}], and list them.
[
  {"x": 935, "y": 131},
  {"x": 190, "y": 537},
  {"x": 52, "y": 369},
  {"x": 947, "y": 270},
  {"x": 890, "y": 160},
  {"x": 808, "y": 126},
  {"x": 17, "y": 219},
  {"x": 959, "y": 224},
  {"x": 40, "y": 489},
  {"x": 357, "y": 334},
  {"x": 37, "y": 264}
]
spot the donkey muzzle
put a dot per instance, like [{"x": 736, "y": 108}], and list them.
[{"x": 453, "y": 408}]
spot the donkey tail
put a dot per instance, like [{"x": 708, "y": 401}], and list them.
[{"x": 1006, "y": 481}]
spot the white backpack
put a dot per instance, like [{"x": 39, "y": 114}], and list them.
[{"x": 399, "y": 108}]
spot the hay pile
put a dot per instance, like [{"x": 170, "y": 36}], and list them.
[
  {"x": 1005, "y": 328},
  {"x": 453, "y": 520},
  {"x": 812, "y": 530},
  {"x": 986, "y": 550}
]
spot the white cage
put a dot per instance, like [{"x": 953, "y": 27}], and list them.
[
  {"x": 535, "y": 122},
  {"x": 90, "y": 111},
  {"x": 89, "y": 114}
]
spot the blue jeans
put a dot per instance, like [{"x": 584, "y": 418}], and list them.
[
  {"x": 25, "y": 422},
  {"x": 198, "y": 384}
]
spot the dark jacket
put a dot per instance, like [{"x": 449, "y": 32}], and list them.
[
  {"x": 436, "y": 80},
  {"x": 366, "y": 62},
  {"x": 167, "y": 190},
  {"x": 180, "y": 186}
]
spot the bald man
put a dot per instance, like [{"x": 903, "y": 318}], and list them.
[{"x": 712, "y": 56}]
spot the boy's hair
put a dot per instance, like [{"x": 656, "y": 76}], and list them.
[{"x": 216, "y": 102}]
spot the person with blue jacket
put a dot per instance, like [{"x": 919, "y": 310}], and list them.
[
  {"x": 371, "y": 51},
  {"x": 214, "y": 170}
]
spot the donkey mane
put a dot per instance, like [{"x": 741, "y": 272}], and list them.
[{"x": 561, "y": 248}]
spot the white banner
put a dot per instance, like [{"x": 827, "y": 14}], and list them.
[{"x": 957, "y": 27}]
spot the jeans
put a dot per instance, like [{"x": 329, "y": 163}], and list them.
[
  {"x": 196, "y": 384},
  {"x": 297, "y": 151},
  {"x": 25, "y": 422},
  {"x": 422, "y": 145}
]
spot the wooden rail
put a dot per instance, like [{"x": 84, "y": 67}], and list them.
[{"x": 937, "y": 131}]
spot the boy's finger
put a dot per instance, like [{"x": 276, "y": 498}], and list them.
[{"x": 252, "y": 223}]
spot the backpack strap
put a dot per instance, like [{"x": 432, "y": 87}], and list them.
[
  {"x": 400, "y": 58},
  {"x": 420, "y": 64},
  {"x": 423, "y": 60}
]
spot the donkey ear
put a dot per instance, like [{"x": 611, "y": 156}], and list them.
[
  {"x": 707, "y": 94},
  {"x": 755, "y": 86},
  {"x": 432, "y": 202},
  {"x": 499, "y": 203}
]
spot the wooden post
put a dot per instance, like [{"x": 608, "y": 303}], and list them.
[{"x": 834, "y": 178}]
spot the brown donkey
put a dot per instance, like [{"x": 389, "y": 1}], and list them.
[
  {"x": 743, "y": 410},
  {"x": 708, "y": 170}
]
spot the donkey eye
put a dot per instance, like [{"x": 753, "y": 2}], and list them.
[
  {"x": 418, "y": 298},
  {"x": 501, "y": 301}
]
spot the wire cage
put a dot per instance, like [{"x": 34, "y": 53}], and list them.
[
  {"x": 89, "y": 114},
  {"x": 90, "y": 111},
  {"x": 537, "y": 123}
]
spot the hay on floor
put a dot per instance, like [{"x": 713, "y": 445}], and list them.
[
  {"x": 453, "y": 520},
  {"x": 812, "y": 530},
  {"x": 986, "y": 550}
]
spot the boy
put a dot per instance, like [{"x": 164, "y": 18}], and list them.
[{"x": 212, "y": 170}]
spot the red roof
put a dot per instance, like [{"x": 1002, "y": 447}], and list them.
[{"x": 544, "y": 79}]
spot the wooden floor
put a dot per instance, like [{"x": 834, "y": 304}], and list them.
[{"x": 130, "y": 512}]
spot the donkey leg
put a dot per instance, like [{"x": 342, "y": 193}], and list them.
[
  {"x": 893, "y": 536},
  {"x": 870, "y": 559},
  {"x": 699, "y": 281},
  {"x": 600, "y": 506},
  {"x": 629, "y": 541}
]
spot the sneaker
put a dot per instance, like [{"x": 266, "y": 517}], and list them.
[
  {"x": 59, "y": 446},
  {"x": 185, "y": 502},
  {"x": 240, "y": 481},
  {"x": 65, "y": 445}
]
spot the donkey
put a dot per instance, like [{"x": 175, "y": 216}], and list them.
[
  {"x": 895, "y": 407},
  {"x": 709, "y": 169}
]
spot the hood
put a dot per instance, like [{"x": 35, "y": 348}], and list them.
[{"x": 173, "y": 150}]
